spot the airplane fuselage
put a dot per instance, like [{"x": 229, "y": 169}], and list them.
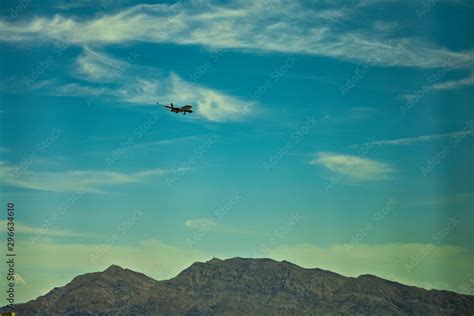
[{"x": 182, "y": 109}]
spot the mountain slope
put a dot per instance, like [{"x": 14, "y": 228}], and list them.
[
  {"x": 243, "y": 287},
  {"x": 112, "y": 291}
]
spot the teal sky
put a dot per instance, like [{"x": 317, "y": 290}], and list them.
[{"x": 333, "y": 134}]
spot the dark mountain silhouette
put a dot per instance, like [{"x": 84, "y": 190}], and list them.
[{"x": 243, "y": 287}]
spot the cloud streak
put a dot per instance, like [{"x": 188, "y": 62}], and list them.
[
  {"x": 95, "y": 66},
  {"x": 271, "y": 26},
  {"x": 454, "y": 84},
  {"x": 355, "y": 167},
  {"x": 21, "y": 228},
  {"x": 72, "y": 180},
  {"x": 207, "y": 224},
  {"x": 420, "y": 139},
  {"x": 199, "y": 223}
]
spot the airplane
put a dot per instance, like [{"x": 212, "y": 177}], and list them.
[{"x": 183, "y": 109}]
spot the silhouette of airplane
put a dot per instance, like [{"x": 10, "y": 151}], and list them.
[{"x": 183, "y": 109}]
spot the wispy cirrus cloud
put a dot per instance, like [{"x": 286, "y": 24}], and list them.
[
  {"x": 355, "y": 167},
  {"x": 268, "y": 26},
  {"x": 21, "y": 228},
  {"x": 420, "y": 139},
  {"x": 111, "y": 77},
  {"x": 450, "y": 199},
  {"x": 76, "y": 90},
  {"x": 95, "y": 66},
  {"x": 271, "y": 26},
  {"x": 454, "y": 84},
  {"x": 72, "y": 180},
  {"x": 211, "y": 104}
]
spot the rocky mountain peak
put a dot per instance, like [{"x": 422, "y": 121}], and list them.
[{"x": 240, "y": 286}]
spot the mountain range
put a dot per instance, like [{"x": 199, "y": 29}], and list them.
[{"x": 241, "y": 286}]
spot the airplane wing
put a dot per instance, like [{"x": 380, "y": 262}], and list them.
[{"x": 163, "y": 105}]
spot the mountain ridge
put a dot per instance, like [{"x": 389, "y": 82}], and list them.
[{"x": 240, "y": 286}]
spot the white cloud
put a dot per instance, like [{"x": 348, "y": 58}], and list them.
[
  {"x": 19, "y": 279},
  {"x": 4, "y": 150},
  {"x": 420, "y": 139},
  {"x": 208, "y": 224},
  {"x": 211, "y": 104},
  {"x": 454, "y": 84},
  {"x": 71, "y": 180},
  {"x": 276, "y": 26},
  {"x": 77, "y": 90},
  {"x": 94, "y": 66},
  {"x": 151, "y": 86},
  {"x": 444, "y": 85},
  {"x": 357, "y": 168},
  {"x": 199, "y": 223}
]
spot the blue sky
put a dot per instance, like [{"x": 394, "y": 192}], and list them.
[{"x": 333, "y": 135}]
